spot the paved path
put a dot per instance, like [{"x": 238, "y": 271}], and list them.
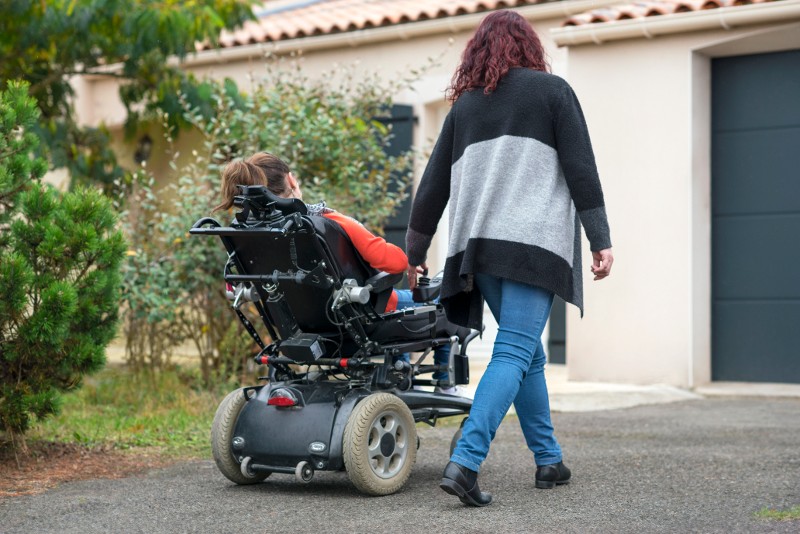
[{"x": 692, "y": 466}]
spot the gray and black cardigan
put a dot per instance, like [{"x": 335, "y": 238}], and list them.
[{"x": 518, "y": 169}]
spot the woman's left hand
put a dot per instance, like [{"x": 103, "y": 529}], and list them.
[
  {"x": 412, "y": 271},
  {"x": 601, "y": 263}
]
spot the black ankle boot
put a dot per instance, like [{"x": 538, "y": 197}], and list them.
[
  {"x": 547, "y": 476},
  {"x": 463, "y": 483}
]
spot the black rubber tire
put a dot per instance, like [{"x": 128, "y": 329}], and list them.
[
  {"x": 221, "y": 436},
  {"x": 363, "y": 455}
]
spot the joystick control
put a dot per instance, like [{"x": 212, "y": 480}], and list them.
[{"x": 427, "y": 288}]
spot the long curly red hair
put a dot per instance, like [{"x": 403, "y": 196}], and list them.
[{"x": 503, "y": 40}]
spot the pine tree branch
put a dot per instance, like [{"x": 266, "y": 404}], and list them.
[
  {"x": 89, "y": 263},
  {"x": 13, "y": 192}
]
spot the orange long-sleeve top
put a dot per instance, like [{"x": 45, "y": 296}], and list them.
[{"x": 375, "y": 250}]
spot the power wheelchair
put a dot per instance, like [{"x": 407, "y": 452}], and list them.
[{"x": 337, "y": 396}]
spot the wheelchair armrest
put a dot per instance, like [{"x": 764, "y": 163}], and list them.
[{"x": 383, "y": 281}]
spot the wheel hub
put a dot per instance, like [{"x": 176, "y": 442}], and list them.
[{"x": 387, "y": 445}]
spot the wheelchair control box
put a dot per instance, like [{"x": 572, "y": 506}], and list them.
[{"x": 302, "y": 348}]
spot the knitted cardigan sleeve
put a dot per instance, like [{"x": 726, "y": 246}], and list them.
[
  {"x": 577, "y": 161},
  {"x": 432, "y": 196}
]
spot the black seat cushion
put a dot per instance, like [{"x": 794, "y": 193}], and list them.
[{"x": 426, "y": 325}]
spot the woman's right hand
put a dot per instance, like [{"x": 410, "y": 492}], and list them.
[{"x": 412, "y": 271}]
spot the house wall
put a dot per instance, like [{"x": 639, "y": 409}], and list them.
[
  {"x": 647, "y": 104},
  {"x": 98, "y": 101}
]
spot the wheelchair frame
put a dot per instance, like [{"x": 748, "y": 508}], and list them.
[{"x": 357, "y": 409}]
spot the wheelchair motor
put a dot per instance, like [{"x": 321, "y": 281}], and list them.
[{"x": 338, "y": 393}]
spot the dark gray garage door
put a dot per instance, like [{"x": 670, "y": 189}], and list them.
[{"x": 755, "y": 205}]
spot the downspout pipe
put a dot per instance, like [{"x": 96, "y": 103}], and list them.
[{"x": 725, "y": 18}]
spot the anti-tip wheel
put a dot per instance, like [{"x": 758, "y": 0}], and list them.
[
  {"x": 245, "y": 469},
  {"x": 304, "y": 472}
]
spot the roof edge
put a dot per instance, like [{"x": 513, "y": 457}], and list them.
[
  {"x": 405, "y": 31},
  {"x": 725, "y": 18}
]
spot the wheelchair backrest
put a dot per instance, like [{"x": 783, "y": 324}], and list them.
[{"x": 260, "y": 245}]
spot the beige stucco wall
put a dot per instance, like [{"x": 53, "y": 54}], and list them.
[
  {"x": 647, "y": 103},
  {"x": 647, "y": 106}
]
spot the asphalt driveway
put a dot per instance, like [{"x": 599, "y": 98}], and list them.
[{"x": 695, "y": 466}]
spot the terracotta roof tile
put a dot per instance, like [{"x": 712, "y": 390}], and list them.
[
  {"x": 651, "y": 8},
  {"x": 289, "y": 19}
]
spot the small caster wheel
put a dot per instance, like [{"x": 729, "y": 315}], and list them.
[
  {"x": 304, "y": 472},
  {"x": 245, "y": 468}
]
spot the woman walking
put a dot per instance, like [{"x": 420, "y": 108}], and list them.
[{"x": 515, "y": 162}]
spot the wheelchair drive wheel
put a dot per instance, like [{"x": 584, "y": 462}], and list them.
[
  {"x": 221, "y": 441},
  {"x": 380, "y": 444}
]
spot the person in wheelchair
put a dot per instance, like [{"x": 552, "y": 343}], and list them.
[
  {"x": 334, "y": 398},
  {"x": 267, "y": 169}
]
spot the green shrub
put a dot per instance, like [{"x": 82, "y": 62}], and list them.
[
  {"x": 330, "y": 135},
  {"x": 327, "y": 130},
  {"x": 59, "y": 276}
]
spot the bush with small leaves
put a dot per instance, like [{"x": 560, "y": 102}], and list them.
[
  {"x": 60, "y": 258},
  {"x": 332, "y": 137}
]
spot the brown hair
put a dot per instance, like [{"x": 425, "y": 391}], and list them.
[
  {"x": 504, "y": 39},
  {"x": 238, "y": 172},
  {"x": 274, "y": 170}
]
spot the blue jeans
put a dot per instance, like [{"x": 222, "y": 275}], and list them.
[
  {"x": 441, "y": 355},
  {"x": 514, "y": 374}
]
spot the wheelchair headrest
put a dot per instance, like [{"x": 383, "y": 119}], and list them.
[{"x": 260, "y": 203}]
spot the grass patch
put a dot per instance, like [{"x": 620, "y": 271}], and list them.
[
  {"x": 124, "y": 410},
  {"x": 779, "y": 515},
  {"x": 163, "y": 412}
]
